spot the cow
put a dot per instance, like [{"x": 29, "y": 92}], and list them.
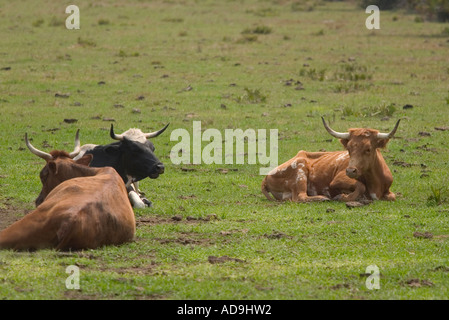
[
  {"x": 132, "y": 156},
  {"x": 358, "y": 172},
  {"x": 80, "y": 207}
]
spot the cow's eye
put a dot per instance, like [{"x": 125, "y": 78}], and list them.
[{"x": 367, "y": 151}]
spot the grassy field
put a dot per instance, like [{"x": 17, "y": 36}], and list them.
[{"x": 231, "y": 64}]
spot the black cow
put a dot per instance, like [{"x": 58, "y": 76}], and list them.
[{"x": 132, "y": 157}]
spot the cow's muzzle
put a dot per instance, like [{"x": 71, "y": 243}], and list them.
[
  {"x": 159, "y": 170},
  {"x": 352, "y": 172}
]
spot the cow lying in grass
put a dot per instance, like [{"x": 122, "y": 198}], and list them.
[
  {"x": 133, "y": 157},
  {"x": 79, "y": 207},
  {"x": 358, "y": 172}
]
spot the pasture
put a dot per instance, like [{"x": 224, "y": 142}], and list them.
[{"x": 250, "y": 64}]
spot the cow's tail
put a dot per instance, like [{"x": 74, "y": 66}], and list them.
[{"x": 265, "y": 190}]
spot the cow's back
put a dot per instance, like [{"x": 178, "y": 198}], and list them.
[
  {"x": 324, "y": 168},
  {"x": 80, "y": 213}
]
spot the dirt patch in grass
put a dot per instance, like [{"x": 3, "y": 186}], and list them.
[
  {"x": 340, "y": 286},
  {"x": 10, "y": 214},
  {"x": 187, "y": 238},
  {"x": 223, "y": 259},
  {"x": 424, "y": 235},
  {"x": 137, "y": 294},
  {"x": 148, "y": 269},
  {"x": 277, "y": 235},
  {"x": 416, "y": 283},
  {"x": 79, "y": 295},
  {"x": 156, "y": 220}
]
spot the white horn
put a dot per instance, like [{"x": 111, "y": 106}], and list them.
[
  {"x": 339, "y": 135},
  {"x": 389, "y": 135},
  {"x": 77, "y": 149},
  {"x": 155, "y": 133},
  {"x": 44, "y": 155}
]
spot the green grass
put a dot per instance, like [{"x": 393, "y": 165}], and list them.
[{"x": 190, "y": 62}]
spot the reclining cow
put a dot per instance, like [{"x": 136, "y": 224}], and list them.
[
  {"x": 133, "y": 157},
  {"x": 358, "y": 172},
  {"x": 79, "y": 207}
]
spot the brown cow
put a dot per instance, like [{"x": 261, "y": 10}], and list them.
[
  {"x": 358, "y": 172},
  {"x": 82, "y": 207}
]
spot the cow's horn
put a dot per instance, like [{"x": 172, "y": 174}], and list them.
[
  {"x": 339, "y": 135},
  {"x": 155, "y": 133},
  {"x": 77, "y": 149},
  {"x": 389, "y": 135},
  {"x": 113, "y": 135},
  {"x": 44, "y": 155}
]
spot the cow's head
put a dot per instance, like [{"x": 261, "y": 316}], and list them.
[
  {"x": 362, "y": 145},
  {"x": 139, "y": 158},
  {"x": 59, "y": 167}
]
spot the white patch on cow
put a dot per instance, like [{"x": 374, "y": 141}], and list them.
[
  {"x": 135, "y": 135},
  {"x": 130, "y": 181},
  {"x": 135, "y": 200},
  {"x": 300, "y": 175},
  {"x": 133, "y": 184},
  {"x": 373, "y": 196},
  {"x": 343, "y": 156},
  {"x": 293, "y": 165},
  {"x": 286, "y": 195}
]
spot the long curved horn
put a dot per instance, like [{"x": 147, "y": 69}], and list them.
[
  {"x": 339, "y": 135},
  {"x": 113, "y": 135},
  {"x": 44, "y": 155},
  {"x": 77, "y": 149},
  {"x": 155, "y": 133},
  {"x": 389, "y": 135}
]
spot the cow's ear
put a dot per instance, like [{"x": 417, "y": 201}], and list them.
[
  {"x": 85, "y": 160},
  {"x": 381, "y": 143},
  {"x": 112, "y": 150},
  {"x": 344, "y": 142},
  {"x": 53, "y": 167}
]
